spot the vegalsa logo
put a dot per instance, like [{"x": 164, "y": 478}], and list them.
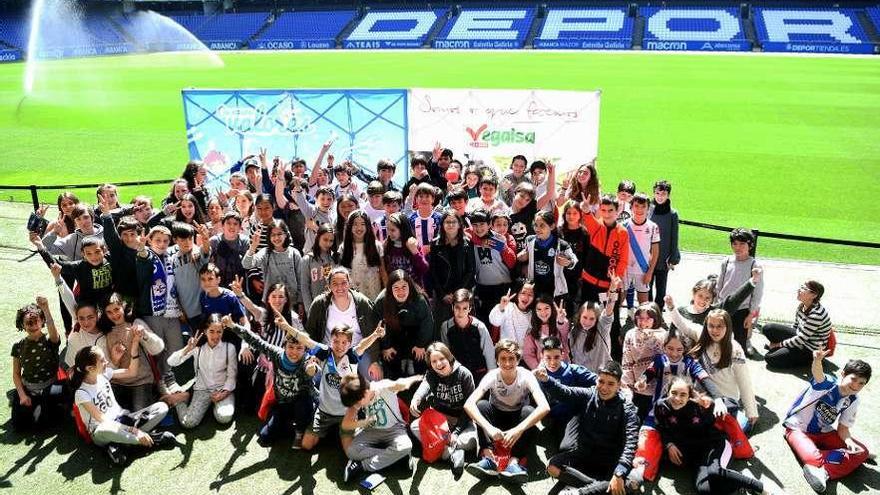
[{"x": 483, "y": 137}]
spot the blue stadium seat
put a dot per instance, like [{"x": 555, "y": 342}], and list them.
[
  {"x": 308, "y": 25},
  {"x": 222, "y": 27},
  {"x": 874, "y": 15}
]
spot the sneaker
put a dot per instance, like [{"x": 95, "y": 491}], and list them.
[
  {"x": 116, "y": 454},
  {"x": 457, "y": 459},
  {"x": 298, "y": 441},
  {"x": 635, "y": 478},
  {"x": 514, "y": 472},
  {"x": 163, "y": 438},
  {"x": 484, "y": 468},
  {"x": 353, "y": 471},
  {"x": 816, "y": 477}
]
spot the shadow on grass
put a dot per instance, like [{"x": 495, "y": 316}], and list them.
[
  {"x": 42, "y": 443},
  {"x": 865, "y": 479}
]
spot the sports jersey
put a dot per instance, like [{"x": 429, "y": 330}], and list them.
[
  {"x": 824, "y": 405},
  {"x": 425, "y": 228},
  {"x": 645, "y": 235}
]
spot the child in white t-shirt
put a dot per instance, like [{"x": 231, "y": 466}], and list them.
[{"x": 506, "y": 418}]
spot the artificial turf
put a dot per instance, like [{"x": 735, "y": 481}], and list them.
[{"x": 782, "y": 144}]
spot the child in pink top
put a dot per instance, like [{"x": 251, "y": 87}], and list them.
[
  {"x": 639, "y": 347},
  {"x": 546, "y": 311}
]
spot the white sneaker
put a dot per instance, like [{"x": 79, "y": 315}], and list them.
[{"x": 816, "y": 477}]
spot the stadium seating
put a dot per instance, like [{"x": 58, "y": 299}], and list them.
[
  {"x": 394, "y": 28},
  {"x": 490, "y": 27},
  {"x": 304, "y": 30},
  {"x": 693, "y": 28},
  {"x": 13, "y": 31},
  {"x": 223, "y": 31},
  {"x": 586, "y": 28},
  {"x": 830, "y": 30},
  {"x": 874, "y": 15}
]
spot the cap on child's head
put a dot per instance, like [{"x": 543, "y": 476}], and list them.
[
  {"x": 250, "y": 163},
  {"x": 551, "y": 344},
  {"x": 537, "y": 165}
]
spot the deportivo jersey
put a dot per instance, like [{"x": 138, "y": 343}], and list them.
[
  {"x": 425, "y": 228},
  {"x": 646, "y": 235},
  {"x": 828, "y": 404}
]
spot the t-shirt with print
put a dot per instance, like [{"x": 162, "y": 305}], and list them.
[
  {"x": 331, "y": 378},
  {"x": 101, "y": 395},
  {"x": 543, "y": 276},
  {"x": 646, "y": 235},
  {"x": 509, "y": 397},
  {"x": 521, "y": 224},
  {"x": 38, "y": 359},
  {"x": 385, "y": 408},
  {"x": 828, "y": 404}
]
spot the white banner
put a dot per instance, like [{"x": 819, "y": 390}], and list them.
[{"x": 494, "y": 125}]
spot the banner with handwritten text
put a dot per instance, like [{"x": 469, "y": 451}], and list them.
[{"x": 494, "y": 125}]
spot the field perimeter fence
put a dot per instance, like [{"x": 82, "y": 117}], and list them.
[{"x": 35, "y": 189}]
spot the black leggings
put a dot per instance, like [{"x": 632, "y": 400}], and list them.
[
  {"x": 300, "y": 411},
  {"x": 713, "y": 478},
  {"x": 784, "y": 357}
]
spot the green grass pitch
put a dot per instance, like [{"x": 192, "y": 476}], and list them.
[{"x": 783, "y": 144}]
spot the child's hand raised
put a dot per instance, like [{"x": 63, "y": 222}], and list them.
[
  {"x": 641, "y": 385},
  {"x": 505, "y": 299},
  {"x": 43, "y": 303},
  {"x": 413, "y": 245},
  {"x": 820, "y": 353},
  {"x": 541, "y": 374},
  {"x": 380, "y": 329},
  {"x": 235, "y": 286},
  {"x": 256, "y": 237},
  {"x": 226, "y": 321},
  {"x": 561, "y": 315},
  {"x": 193, "y": 341},
  {"x": 668, "y": 302},
  {"x": 56, "y": 270},
  {"x": 280, "y": 322}
]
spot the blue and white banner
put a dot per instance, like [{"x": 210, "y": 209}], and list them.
[
  {"x": 10, "y": 55},
  {"x": 84, "y": 51},
  {"x": 706, "y": 46},
  {"x": 224, "y": 45},
  {"x": 289, "y": 44},
  {"x": 807, "y": 47},
  {"x": 366, "y": 125}
]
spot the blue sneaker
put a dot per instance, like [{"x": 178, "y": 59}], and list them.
[
  {"x": 514, "y": 472},
  {"x": 485, "y": 468}
]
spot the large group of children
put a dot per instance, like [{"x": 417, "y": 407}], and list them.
[{"x": 454, "y": 315}]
